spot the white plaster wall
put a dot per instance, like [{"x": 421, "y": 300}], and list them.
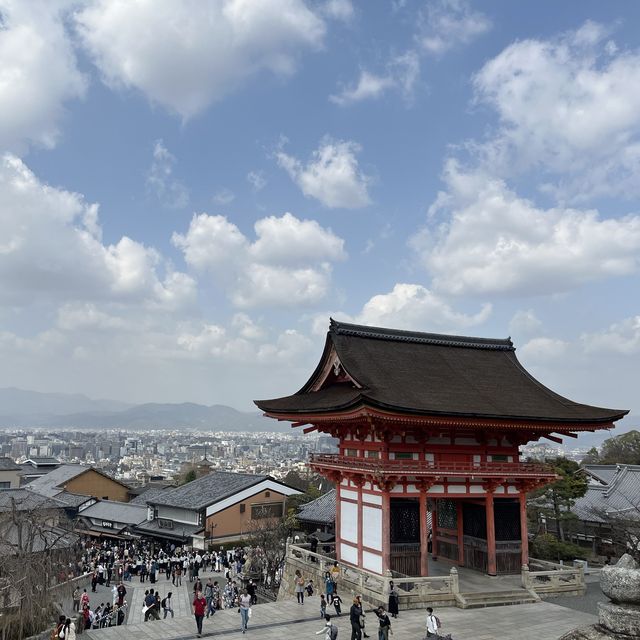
[
  {"x": 429, "y": 457},
  {"x": 372, "y": 527},
  {"x": 512, "y": 489},
  {"x": 371, "y": 499},
  {"x": 349, "y": 521},
  {"x": 372, "y": 562},
  {"x": 179, "y": 515},
  {"x": 457, "y": 488},
  {"x": 437, "y": 488},
  {"x": 351, "y": 495},
  {"x": 475, "y": 488},
  {"x": 348, "y": 553}
]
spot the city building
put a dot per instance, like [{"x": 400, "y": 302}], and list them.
[
  {"x": 80, "y": 480},
  {"x": 111, "y": 519},
  {"x": 9, "y": 474},
  {"x": 217, "y": 508},
  {"x": 430, "y": 428}
]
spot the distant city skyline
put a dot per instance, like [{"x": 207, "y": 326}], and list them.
[{"x": 188, "y": 191}]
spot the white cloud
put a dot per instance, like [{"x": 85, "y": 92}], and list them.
[
  {"x": 543, "y": 349},
  {"x": 212, "y": 242},
  {"x": 82, "y": 316},
  {"x": 52, "y": 249},
  {"x": 289, "y": 240},
  {"x": 187, "y": 55},
  {"x": 331, "y": 176},
  {"x": 169, "y": 191},
  {"x": 447, "y": 24},
  {"x": 497, "y": 242},
  {"x": 257, "y": 180},
  {"x": 338, "y": 9},
  {"x": 621, "y": 337},
  {"x": 401, "y": 74},
  {"x": 38, "y": 73},
  {"x": 288, "y": 263},
  {"x": 224, "y": 196},
  {"x": 369, "y": 86},
  {"x": 525, "y": 322},
  {"x": 568, "y": 106},
  {"x": 411, "y": 306},
  {"x": 266, "y": 285}
]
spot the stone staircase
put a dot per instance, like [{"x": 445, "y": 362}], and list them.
[{"x": 481, "y": 599}]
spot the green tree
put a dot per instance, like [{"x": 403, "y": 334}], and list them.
[
  {"x": 592, "y": 457},
  {"x": 555, "y": 500},
  {"x": 190, "y": 476},
  {"x": 622, "y": 449}
]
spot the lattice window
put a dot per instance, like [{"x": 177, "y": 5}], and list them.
[
  {"x": 405, "y": 521},
  {"x": 447, "y": 514}
]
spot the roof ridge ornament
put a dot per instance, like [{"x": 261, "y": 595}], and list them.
[{"x": 419, "y": 337}]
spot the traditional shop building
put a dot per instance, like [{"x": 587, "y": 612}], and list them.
[{"x": 429, "y": 430}]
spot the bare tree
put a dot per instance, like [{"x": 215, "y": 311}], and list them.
[
  {"x": 36, "y": 549},
  {"x": 267, "y": 535}
]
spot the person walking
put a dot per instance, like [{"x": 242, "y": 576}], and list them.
[
  {"x": 199, "y": 606},
  {"x": 385, "y": 624},
  {"x": 323, "y": 606},
  {"x": 337, "y": 603},
  {"x": 122, "y": 592},
  {"x": 245, "y": 610},
  {"x": 394, "y": 600},
  {"x": 76, "y": 599},
  {"x": 299, "y": 587},
  {"x": 167, "y": 605},
  {"x": 355, "y": 615},
  {"x": 208, "y": 596},
  {"x": 433, "y": 624},
  {"x": 330, "y": 630},
  {"x": 328, "y": 586}
]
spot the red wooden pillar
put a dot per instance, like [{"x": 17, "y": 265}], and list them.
[
  {"x": 424, "y": 535},
  {"x": 360, "y": 523},
  {"x": 338, "y": 519},
  {"x": 386, "y": 529},
  {"x": 524, "y": 533},
  {"x": 491, "y": 535},
  {"x": 434, "y": 530},
  {"x": 460, "y": 533}
]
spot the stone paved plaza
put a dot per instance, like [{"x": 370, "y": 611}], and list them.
[{"x": 287, "y": 619}]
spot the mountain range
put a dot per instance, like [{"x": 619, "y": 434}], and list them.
[{"x": 21, "y": 408}]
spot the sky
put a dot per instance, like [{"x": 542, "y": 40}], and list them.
[{"x": 189, "y": 190}]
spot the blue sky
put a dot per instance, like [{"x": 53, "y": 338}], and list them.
[{"x": 189, "y": 190}]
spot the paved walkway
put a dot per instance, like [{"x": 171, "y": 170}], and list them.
[{"x": 287, "y": 619}]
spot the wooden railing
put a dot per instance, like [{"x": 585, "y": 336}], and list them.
[{"x": 426, "y": 467}]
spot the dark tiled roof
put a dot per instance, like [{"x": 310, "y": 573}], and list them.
[
  {"x": 432, "y": 374},
  {"x": 207, "y": 490},
  {"x": 322, "y": 509},
  {"x": 26, "y": 500},
  {"x": 44, "y": 462},
  {"x": 7, "y": 464},
  {"x": 620, "y": 497},
  {"x": 116, "y": 512},
  {"x": 148, "y": 495},
  {"x": 72, "y": 499}
]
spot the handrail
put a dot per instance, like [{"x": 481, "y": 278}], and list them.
[{"x": 432, "y": 468}]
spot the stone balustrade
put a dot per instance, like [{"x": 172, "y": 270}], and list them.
[
  {"x": 553, "y": 579},
  {"x": 414, "y": 593}
]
